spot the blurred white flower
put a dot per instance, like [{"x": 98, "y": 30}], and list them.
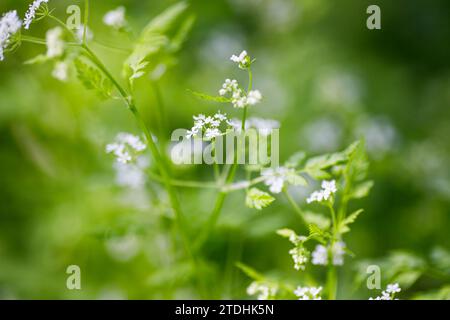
[
  {"x": 61, "y": 71},
  {"x": 308, "y": 293},
  {"x": 125, "y": 147},
  {"x": 320, "y": 254},
  {"x": 132, "y": 175},
  {"x": 276, "y": 178},
  {"x": 263, "y": 290},
  {"x": 254, "y": 97},
  {"x": 322, "y": 135},
  {"x": 31, "y": 13},
  {"x": 55, "y": 43},
  {"x": 9, "y": 25},
  {"x": 379, "y": 134},
  {"x": 339, "y": 88},
  {"x": 123, "y": 248},
  {"x": 393, "y": 288},
  {"x": 115, "y": 18}
]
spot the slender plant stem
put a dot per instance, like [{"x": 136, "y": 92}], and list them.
[
  {"x": 220, "y": 200},
  {"x": 33, "y": 40},
  {"x": 86, "y": 20},
  {"x": 332, "y": 272},
  {"x": 296, "y": 207},
  {"x": 153, "y": 148}
]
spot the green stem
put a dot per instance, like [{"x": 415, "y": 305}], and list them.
[
  {"x": 86, "y": 20},
  {"x": 296, "y": 207},
  {"x": 331, "y": 281},
  {"x": 220, "y": 200},
  {"x": 153, "y": 148},
  {"x": 33, "y": 40}
]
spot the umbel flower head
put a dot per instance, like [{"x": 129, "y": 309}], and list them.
[
  {"x": 243, "y": 60},
  {"x": 10, "y": 24},
  {"x": 208, "y": 125},
  {"x": 328, "y": 189},
  {"x": 34, "y": 8},
  {"x": 238, "y": 97}
]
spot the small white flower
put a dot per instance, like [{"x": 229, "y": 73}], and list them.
[
  {"x": 300, "y": 257},
  {"x": 390, "y": 292},
  {"x": 320, "y": 255},
  {"x": 210, "y": 125},
  {"x": 229, "y": 86},
  {"x": 125, "y": 147},
  {"x": 132, "y": 175},
  {"x": 263, "y": 290},
  {"x": 254, "y": 97},
  {"x": 328, "y": 188},
  {"x": 60, "y": 71},
  {"x": 115, "y": 18},
  {"x": 393, "y": 288},
  {"x": 276, "y": 178},
  {"x": 55, "y": 44},
  {"x": 9, "y": 25},
  {"x": 308, "y": 293},
  {"x": 31, "y": 13},
  {"x": 243, "y": 60}
]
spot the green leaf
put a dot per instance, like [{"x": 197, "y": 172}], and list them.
[
  {"x": 287, "y": 233},
  {"x": 258, "y": 199},
  {"x": 317, "y": 233},
  {"x": 343, "y": 226},
  {"x": 361, "y": 190},
  {"x": 183, "y": 32},
  {"x": 296, "y": 179},
  {"x": 250, "y": 272},
  {"x": 155, "y": 38},
  {"x": 93, "y": 79},
  {"x": 37, "y": 60},
  {"x": 318, "y": 219},
  {"x": 206, "y": 97}
]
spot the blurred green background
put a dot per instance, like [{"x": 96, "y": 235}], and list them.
[{"x": 328, "y": 80}]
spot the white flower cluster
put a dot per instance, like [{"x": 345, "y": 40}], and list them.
[
  {"x": 9, "y": 25},
  {"x": 132, "y": 175},
  {"x": 55, "y": 43},
  {"x": 300, "y": 256},
  {"x": 389, "y": 293},
  {"x": 263, "y": 290},
  {"x": 328, "y": 188},
  {"x": 209, "y": 126},
  {"x": 125, "y": 147},
  {"x": 238, "y": 97},
  {"x": 243, "y": 60},
  {"x": 308, "y": 293},
  {"x": 276, "y": 178},
  {"x": 320, "y": 254},
  {"x": 31, "y": 13},
  {"x": 115, "y": 18}
]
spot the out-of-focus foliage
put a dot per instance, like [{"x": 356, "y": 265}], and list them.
[{"x": 324, "y": 76}]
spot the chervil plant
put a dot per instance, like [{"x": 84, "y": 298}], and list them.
[{"x": 341, "y": 176}]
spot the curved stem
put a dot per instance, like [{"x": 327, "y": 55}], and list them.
[
  {"x": 86, "y": 20},
  {"x": 164, "y": 171},
  {"x": 296, "y": 207}
]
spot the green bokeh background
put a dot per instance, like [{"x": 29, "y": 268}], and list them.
[{"x": 328, "y": 80}]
